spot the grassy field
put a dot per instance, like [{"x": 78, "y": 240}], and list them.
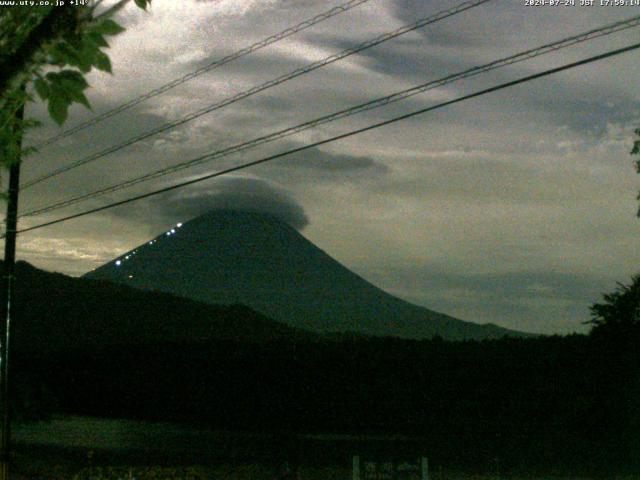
[
  {"x": 253, "y": 471},
  {"x": 238, "y": 472},
  {"x": 82, "y": 448}
]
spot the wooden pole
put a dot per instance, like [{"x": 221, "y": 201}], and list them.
[{"x": 8, "y": 276}]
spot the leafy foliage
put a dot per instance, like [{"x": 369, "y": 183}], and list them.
[
  {"x": 143, "y": 3},
  {"x": 620, "y": 311},
  {"x": 47, "y": 51}
]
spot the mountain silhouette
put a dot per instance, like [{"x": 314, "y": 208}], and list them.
[
  {"x": 55, "y": 312},
  {"x": 231, "y": 257}
]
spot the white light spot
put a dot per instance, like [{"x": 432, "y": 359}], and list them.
[
  {"x": 173, "y": 230},
  {"x": 179, "y": 225},
  {"x": 118, "y": 263},
  {"x": 127, "y": 257},
  {"x": 130, "y": 276},
  {"x": 168, "y": 233}
]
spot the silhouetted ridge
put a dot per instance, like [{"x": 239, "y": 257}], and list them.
[{"x": 54, "y": 311}]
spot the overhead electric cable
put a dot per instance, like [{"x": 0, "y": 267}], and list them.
[
  {"x": 207, "y": 68},
  {"x": 260, "y": 88},
  {"x": 422, "y": 111},
  {"x": 379, "y": 102}
]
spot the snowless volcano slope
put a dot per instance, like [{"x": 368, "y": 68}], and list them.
[{"x": 230, "y": 257}]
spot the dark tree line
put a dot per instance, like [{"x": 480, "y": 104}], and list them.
[{"x": 566, "y": 404}]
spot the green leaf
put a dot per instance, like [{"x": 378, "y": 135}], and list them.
[
  {"x": 42, "y": 88},
  {"x": 58, "y": 109},
  {"x": 65, "y": 84},
  {"x": 65, "y": 53},
  {"x": 86, "y": 62},
  {"x": 56, "y": 57},
  {"x": 102, "y": 62},
  {"x": 79, "y": 97},
  {"x": 65, "y": 87},
  {"x": 83, "y": 100},
  {"x": 142, "y": 4},
  {"x": 97, "y": 40},
  {"x": 107, "y": 27},
  {"x": 70, "y": 79}
]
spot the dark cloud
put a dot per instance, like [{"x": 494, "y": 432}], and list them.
[
  {"x": 317, "y": 165},
  {"x": 481, "y": 179},
  {"x": 244, "y": 194},
  {"x": 521, "y": 285},
  {"x": 452, "y": 32},
  {"x": 498, "y": 24},
  {"x": 327, "y": 163},
  {"x": 555, "y": 99},
  {"x": 268, "y": 63},
  {"x": 403, "y": 57},
  {"x": 124, "y": 126},
  {"x": 301, "y": 4},
  {"x": 542, "y": 302}
]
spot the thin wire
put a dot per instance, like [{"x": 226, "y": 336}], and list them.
[
  {"x": 215, "y": 64},
  {"x": 340, "y": 137},
  {"x": 260, "y": 88},
  {"x": 379, "y": 102}
]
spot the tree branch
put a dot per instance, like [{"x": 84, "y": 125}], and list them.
[{"x": 58, "y": 22}]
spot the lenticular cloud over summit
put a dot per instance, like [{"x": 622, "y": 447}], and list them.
[{"x": 240, "y": 193}]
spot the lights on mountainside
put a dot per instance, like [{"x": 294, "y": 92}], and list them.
[
  {"x": 126, "y": 257},
  {"x": 130, "y": 276},
  {"x": 168, "y": 233}
]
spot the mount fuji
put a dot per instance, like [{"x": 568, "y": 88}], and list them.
[{"x": 255, "y": 259}]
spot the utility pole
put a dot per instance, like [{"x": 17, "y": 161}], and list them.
[{"x": 8, "y": 275}]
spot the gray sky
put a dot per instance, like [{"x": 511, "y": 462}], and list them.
[{"x": 516, "y": 208}]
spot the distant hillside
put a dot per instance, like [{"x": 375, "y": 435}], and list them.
[
  {"x": 53, "y": 311},
  {"x": 226, "y": 257}
]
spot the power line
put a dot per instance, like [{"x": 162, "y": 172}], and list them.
[
  {"x": 379, "y": 102},
  {"x": 260, "y": 88},
  {"x": 340, "y": 137},
  {"x": 207, "y": 68}
]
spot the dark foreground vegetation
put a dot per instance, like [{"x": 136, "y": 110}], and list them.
[
  {"x": 549, "y": 404},
  {"x": 545, "y": 404}
]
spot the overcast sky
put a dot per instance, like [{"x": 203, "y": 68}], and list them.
[{"x": 516, "y": 208}]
